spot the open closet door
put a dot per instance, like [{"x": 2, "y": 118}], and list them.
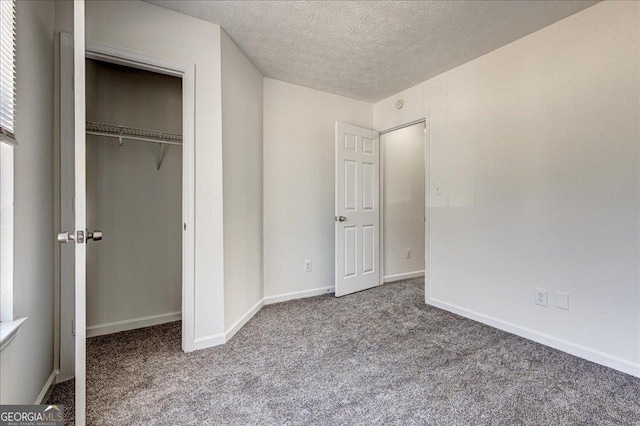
[
  {"x": 357, "y": 220},
  {"x": 80, "y": 194},
  {"x": 73, "y": 197}
]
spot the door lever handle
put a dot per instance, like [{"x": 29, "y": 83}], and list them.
[{"x": 339, "y": 219}]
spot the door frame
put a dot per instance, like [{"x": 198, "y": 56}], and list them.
[
  {"x": 141, "y": 60},
  {"x": 427, "y": 191}
]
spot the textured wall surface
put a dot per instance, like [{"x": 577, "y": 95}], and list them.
[{"x": 371, "y": 50}]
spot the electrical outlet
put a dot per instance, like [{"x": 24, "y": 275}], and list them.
[
  {"x": 541, "y": 297},
  {"x": 562, "y": 300},
  {"x": 408, "y": 254},
  {"x": 307, "y": 265}
]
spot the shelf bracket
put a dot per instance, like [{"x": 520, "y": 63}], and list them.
[
  {"x": 120, "y": 136},
  {"x": 160, "y": 156}
]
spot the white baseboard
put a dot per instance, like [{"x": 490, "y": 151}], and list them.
[
  {"x": 222, "y": 338},
  {"x": 45, "y": 390},
  {"x": 118, "y": 326},
  {"x": 298, "y": 295},
  {"x": 405, "y": 276},
  {"x": 231, "y": 331},
  {"x": 578, "y": 350},
  {"x": 209, "y": 341}
]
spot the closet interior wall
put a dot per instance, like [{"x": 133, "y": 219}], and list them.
[
  {"x": 134, "y": 274},
  {"x": 404, "y": 202}
]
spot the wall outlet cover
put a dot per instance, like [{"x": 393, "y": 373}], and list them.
[
  {"x": 307, "y": 266},
  {"x": 541, "y": 297}
]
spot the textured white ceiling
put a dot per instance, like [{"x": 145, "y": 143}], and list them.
[{"x": 371, "y": 50}]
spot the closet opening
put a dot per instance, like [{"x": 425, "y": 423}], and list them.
[
  {"x": 404, "y": 208},
  {"x": 139, "y": 153},
  {"x": 134, "y": 196}
]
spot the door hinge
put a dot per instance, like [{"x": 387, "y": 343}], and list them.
[{"x": 73, "y": 327}]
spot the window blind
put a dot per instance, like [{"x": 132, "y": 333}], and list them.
[{"x": 7, "y": 70}]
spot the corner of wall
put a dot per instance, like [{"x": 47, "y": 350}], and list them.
[{"x": 242, "y": 140}]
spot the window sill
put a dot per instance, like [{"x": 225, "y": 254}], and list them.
[{"x": 8, "y": 331}]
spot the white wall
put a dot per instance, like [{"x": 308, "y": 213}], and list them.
[
  {"x": 27, "y": 363},
  {"x": 136, "y": 270},
  {"x": 242, "y": 97},
  {"x": 403, "y": 193},
  {"x": 143, "y": 27},
  {"x": 299, "y": 163},
  {"x": 535, "y": 147}
]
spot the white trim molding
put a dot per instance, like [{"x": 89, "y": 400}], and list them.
[
  {"x": 42, "y": 396},
  {"x": 132, "y": 324},
  {"x": 209, "y": 341},
  {"x": 405, "y": 276},
  {"x": 578, "y": 350},
  {"x": 236, "y": 326},
  {"x": 269, "y": 300},
  {"x": 222, "y": 338},
  {"x": 8, "y": 331}
]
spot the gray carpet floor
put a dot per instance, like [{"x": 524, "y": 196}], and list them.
[{"x": 377, "y": 357}]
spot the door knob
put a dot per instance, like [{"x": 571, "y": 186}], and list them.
[
  {"x": 95, "y": 235},
  {"x": 339, "y": 219},
  {"x": 65, "y": 237}
]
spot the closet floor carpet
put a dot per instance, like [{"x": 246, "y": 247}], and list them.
[{"x": 377, "y": 357}]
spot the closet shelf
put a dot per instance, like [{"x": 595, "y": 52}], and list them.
[
  {"x": 94, "y": 127},
  {"x": 135, "y": 134}
]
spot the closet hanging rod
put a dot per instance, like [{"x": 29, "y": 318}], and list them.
[{"x": 132, "y": 133}]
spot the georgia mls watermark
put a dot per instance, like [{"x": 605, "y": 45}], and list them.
[{"x": 31, "y": 415}]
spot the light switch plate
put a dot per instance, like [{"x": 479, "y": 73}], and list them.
[{"x": 562, "y": 300}]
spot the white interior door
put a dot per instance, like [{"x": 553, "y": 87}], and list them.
[
  {"x": 357, "y": 220},
  {"x": 73, "y": 211},
  {"x": 80, "y": 210}
]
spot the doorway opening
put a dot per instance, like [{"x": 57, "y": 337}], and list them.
[
  {"x": 404, "y": 207},
  {"x": 373, "y": 246},
  {"x": 134, "y": 196},
  {"x": 137, "y": 170}
]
